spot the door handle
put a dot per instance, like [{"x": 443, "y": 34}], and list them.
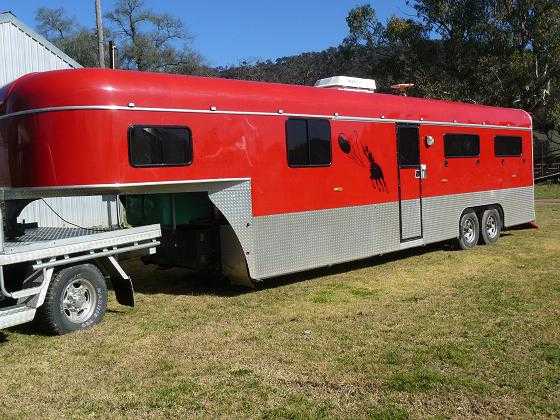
[{"x": 420, "y": 173}]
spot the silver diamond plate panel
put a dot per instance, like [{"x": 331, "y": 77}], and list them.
[
  {"x": 299, "y": 241},
  {"x": 233, "y": 199},
  {"x": 441, "y": 214},
  {"x": 48, "y": 234},
  {"x": 411, "y": 218}
]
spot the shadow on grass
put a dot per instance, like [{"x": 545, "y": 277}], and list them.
[
  {"x": 151, "y": 280},
  {"x": 30, "y": 328},
  {"x": 525, "y": 226}
]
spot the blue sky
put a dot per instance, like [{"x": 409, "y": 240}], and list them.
[{"x": 227, "y": 31}]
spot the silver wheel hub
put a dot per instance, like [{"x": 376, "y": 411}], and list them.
[
  {"x": 491, "y": 227},
  {"x": 469, "y": 230},
  {"x": 79, "y": 300}
]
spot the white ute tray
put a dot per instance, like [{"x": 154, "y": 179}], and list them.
[{"x": 49, "y": 242}]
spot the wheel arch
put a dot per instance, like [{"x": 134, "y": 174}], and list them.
[
  {"x": 479, "y": 210},
  {"x": 235, "y": 203}
]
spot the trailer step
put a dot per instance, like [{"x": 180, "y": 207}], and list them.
[{"x": 15, "y": 315}]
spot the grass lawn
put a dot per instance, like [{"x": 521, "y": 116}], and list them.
[
  {"x": 547, "y": 191},
  {"x": 432, "y": 332}
]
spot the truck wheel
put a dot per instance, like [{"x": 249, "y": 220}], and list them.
[
  {"x": 491, "y": 226},
  {"x": 76, "y": 299},
  {"x": 468, "y": 230}
]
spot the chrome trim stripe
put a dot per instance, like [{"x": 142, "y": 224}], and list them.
[
  {"x": 125, "y": 185},
  {"x": 254, "y": 113},
  {"x": 9, "y": 193}
]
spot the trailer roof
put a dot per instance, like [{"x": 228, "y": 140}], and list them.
[{"x": 160, "y": 92}]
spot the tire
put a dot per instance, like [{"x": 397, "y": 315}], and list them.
[
  {"x": 468, "y": 230},
  {"x": 76, "y": 300},
  {"x": 491, "y": 226}
]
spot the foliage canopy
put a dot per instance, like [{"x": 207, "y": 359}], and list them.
[{"x": 496, "y": 52}]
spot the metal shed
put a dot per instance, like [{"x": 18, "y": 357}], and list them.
[{"x": 22, "y": 51}]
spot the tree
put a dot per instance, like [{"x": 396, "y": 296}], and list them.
[
  {"x": 508, "y": 51},
  {"x": 147, "y": 40},
  {"x": 497, "y": 52},
  {"x": 364, "y": 28},
  {"x": 64, "y": 32},
  {"x": 53, "y": 23}
]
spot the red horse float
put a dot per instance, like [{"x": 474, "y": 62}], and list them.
[{"x": 261, "y": 179}]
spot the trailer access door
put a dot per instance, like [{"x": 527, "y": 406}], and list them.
[{"x": 411, "y": 173}]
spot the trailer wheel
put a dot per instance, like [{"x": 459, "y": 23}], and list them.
[
  {"x": 491, "y": 226},
  {"x": 76, "y": 299},
  {"x": 468, "y": 230}
]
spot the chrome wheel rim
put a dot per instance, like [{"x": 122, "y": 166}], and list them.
[
  {"x": 491, "y": 227},
  {"x": 469, "y": 230},
  {"x": 79, "y": 300}
]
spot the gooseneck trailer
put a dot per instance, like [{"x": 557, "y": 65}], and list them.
[{"x": 244, "y": 179}]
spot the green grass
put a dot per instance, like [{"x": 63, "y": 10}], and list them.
[
  {"x": 426, "y": 333},
  {"x": 547, "y": 191}
]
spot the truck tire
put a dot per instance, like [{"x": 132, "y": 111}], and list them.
[
  {"x": 468, "y": 230},
  {"x": 491, "y": 226},
  {"x": 76, "y": 300}
]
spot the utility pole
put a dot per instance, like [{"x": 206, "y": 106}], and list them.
[{"x": 100, "y": 41}]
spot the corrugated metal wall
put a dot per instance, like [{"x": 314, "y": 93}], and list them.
[
  {"x": 24, "y": 51},
  {"x": 21, "y": 54},
  {"x": 94, "y": 211}
]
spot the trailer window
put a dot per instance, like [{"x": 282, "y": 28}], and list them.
[
  {"x": 308, "y": 142},
  {"x": 507, "y": 146},
  {"x": 159, "y": 146},
  {"x": 461, "y": 145}
]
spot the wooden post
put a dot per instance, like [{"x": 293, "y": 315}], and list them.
[
  {"x": 100, "y": 42},
  {"x": 112, "y": 55}
]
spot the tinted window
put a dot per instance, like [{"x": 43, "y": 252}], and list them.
[
  {"x": 159, "y": 145},
  {"x": 507, "y": 146},
  {"x": 409, "y": 149},
  {"x": 308, "y": 142},
  {"x": 298, "y": 148},
  {"x": 461, "y": 145},
  {"x": 319, "y": 142}
]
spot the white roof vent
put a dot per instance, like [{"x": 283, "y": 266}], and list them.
[{"x": 348, "y": 83}]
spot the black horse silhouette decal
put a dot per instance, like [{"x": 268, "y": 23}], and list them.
[
  {"x": 375, "y": 171},
  {"x": 363, "y": 156}
]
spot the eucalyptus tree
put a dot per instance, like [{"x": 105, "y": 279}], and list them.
[{"x": 151, "y": 41}]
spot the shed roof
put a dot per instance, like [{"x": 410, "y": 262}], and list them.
[{"x": 10, "y": 18}]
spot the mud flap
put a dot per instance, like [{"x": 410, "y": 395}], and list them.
[{"x": 122, "y": 283}]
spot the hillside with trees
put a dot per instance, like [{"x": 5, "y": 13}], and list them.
[{"x": 495, "y": 52}]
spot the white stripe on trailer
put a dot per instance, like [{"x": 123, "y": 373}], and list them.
[{"x": 213, "y": 110}]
